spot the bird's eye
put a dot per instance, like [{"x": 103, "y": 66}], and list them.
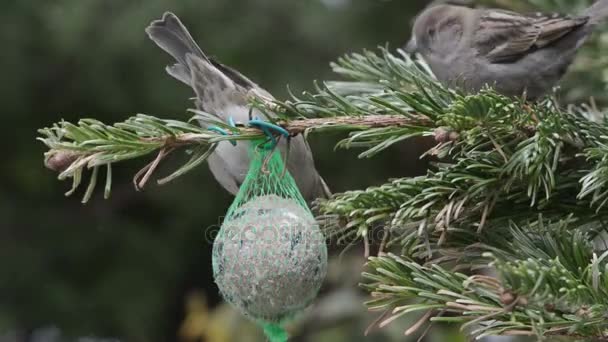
[{"x": 431, "y": 32}]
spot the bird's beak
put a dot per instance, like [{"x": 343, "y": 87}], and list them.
[{"x": 411, "y": 46}]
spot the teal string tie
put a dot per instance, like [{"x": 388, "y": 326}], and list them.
[
  {"x": 275, "y": 332},
  {"x": 267, "y": 128},
  {"x": 258, "y": 123},
  {"x": 222, "y": 131}
]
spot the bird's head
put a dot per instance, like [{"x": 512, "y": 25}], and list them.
[{"x": 438, "y": 22}]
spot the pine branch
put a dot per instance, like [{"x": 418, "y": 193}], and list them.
[
  {"x": 550, "y": 283},
  {"x": 508, "y": 154},
  {"x": 530, "y": 297},
  {"x": 92, "y": 144},
  {"x": 376, "y": 119}
]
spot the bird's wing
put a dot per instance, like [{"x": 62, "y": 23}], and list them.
[
  {"x": 215, "y": 91},
  {"x": 234, "y": 75},
  {"x": 224, "y": 173},
  {"x": 505, "y": 37}
]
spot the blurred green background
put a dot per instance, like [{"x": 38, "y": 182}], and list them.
[{"x": 137, "y": 267}]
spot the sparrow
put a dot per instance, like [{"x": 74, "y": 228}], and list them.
[
  {"x": 224, "y": 92},
  {"x": 516, "y": 54}
]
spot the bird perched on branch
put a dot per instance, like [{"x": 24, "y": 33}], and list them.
[
  {"x": 224, "y": 92},
  {"x": 514, "y": 53}
]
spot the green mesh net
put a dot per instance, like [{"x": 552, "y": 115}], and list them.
[{"x": 270, "y": 257}]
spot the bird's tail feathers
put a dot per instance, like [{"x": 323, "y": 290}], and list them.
[
  {"x": 172, "y": 36},
  {"x": 598, "y": 12}
]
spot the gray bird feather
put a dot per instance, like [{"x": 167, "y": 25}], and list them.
[
  {"x": 509, "y": 36},
  {"x": 224, "y": 92},
  {"x": 515, "y": 53}
]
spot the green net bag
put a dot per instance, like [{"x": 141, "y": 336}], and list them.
[{"x": 270, "y": 257}]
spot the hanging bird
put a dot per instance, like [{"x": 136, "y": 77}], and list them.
[
  {"x": 224, "y": 92},
  {"x": 514, "y": 53}
]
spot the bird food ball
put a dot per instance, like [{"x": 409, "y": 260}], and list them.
[{"x": 270, "y": 258}]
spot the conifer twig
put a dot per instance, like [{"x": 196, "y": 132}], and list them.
[{"x": 90, "y": 143}]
